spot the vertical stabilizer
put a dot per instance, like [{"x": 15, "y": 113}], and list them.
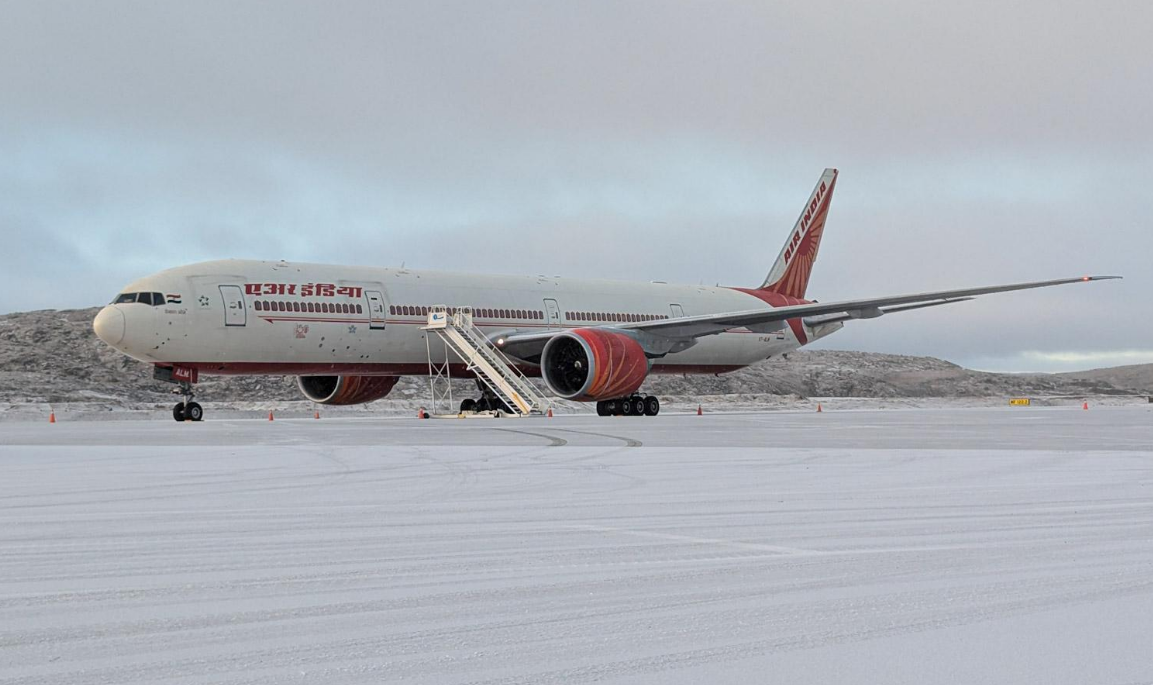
[{"x": 790, "y": 274}]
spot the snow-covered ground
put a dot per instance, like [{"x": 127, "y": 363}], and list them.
[
  {"x": 939, "y": 545},
  {"x": 408, "y": 407}
]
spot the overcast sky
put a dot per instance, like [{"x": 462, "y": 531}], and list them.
[{"x": 978, "y": 143}]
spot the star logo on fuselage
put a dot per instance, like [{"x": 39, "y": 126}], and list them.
[{"x": 352, "y": 329}]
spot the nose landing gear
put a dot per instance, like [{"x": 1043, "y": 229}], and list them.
[
  {"x": 187, "y": 410},
  {"x": 635, "y": 405}
]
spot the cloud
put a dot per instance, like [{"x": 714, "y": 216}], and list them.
[
  {"x": 978, "y": 142},
  {"x": 1070, "y": 360}
]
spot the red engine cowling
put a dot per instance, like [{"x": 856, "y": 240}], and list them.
[
  {"x": 345, "y": 389},
  {"x": 587, "y": 364}
]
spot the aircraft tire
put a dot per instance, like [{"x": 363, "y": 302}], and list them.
[
  {"x": 178, "y": 411},
  {"x": 652, "y": 405},
  {"x": 193, "y": 411},
  {"x": 638, "y": 404},
  {"x": 468, "y": 404},
  {"x": 626, "y": 406}
]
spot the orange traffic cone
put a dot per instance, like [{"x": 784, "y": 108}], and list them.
[
  {"x": 699, "y": 412},
  {"x": 316, "y": 415},
  {"x": 420, "y": 413},
  {"x": 1085, "y": 405},
  {"x": 52, "y": 417},
  {"x": 269, "y": 415},
  {"x": 549, "y": 412},
  {"x": 818, "y": 407}
]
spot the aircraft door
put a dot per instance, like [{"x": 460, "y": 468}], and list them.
[
  {"x": 234, "y": 310},
  {"x": 375, "y": 309},
  {"x": 676, "y": 310},
  {"x": 552, "y": 313}
]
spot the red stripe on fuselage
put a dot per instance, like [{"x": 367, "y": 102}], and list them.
[
  {"x": 390, "y": 369},
  {"x": 778, "y": 300}
]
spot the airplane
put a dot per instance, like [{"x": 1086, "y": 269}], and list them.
[{"x": 349, "y": 332}]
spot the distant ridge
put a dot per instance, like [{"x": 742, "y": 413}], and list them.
[{"x": 53, "y": 356}]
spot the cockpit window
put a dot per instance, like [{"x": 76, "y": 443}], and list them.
[{"x": 154, "y": 299}]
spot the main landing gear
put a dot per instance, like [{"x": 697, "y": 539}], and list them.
[
  {"x": 187, "y": 410},
  {"x": 636, "y": 405},
  {"x": 487, "y": 401}
]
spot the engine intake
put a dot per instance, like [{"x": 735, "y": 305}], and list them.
[
  {"x": 587, "y": 364},
  {"x": 345, "y": 389}
]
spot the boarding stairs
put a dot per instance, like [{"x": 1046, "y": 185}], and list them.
[{"x": 455, "y": 328}]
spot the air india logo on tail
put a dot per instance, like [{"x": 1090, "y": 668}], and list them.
[
  {"x": 790, "y": 273},
  {"x": 806, "y": 221}
]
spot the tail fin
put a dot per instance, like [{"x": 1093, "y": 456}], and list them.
[{"x": 790, "y": 274}]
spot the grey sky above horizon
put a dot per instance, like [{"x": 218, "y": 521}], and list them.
[{"x": 978, "y": 143}]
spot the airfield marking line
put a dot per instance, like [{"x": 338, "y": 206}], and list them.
[{"x": 752, "y": 546}]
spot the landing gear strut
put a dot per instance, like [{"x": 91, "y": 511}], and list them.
[
  {"x": 187, "y": 410},
  {"x": 486, "y": 402},
  {"x": 635, "y": 405}
]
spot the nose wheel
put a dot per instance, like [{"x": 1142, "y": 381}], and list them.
[{"x": 187, "y": 410}]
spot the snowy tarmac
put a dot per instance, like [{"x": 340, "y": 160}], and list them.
[{"x": 911, "y": 546}]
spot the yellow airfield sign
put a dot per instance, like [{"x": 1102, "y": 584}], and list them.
[{"x": 1019, "y": 402}]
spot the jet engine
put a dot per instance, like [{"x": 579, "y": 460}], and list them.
[
  {"x": 345, "y": 389},
  {"x": 587, "y": 364}
]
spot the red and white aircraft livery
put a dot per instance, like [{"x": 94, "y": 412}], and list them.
[{"x": 349, "y": 332}]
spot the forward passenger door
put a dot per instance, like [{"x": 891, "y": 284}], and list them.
[{"x": 234, "y": 310}]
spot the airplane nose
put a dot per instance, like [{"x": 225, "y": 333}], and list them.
[{"x": 109, "y": 325}]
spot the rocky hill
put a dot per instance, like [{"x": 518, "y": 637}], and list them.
[{"x": 53, "y": 356}]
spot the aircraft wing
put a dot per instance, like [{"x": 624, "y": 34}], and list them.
[{"x": 528, "y": 345}]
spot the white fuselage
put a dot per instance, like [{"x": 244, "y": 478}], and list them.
[{"x": 237, "y": 316}]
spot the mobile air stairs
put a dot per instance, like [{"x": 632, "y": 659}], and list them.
[{"x": 492, "y": 368}]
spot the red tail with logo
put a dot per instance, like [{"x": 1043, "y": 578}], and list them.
[{"x": 790, "y": 274}]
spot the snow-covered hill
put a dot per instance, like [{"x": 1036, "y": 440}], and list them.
[{"x": 53, "y": 357}]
